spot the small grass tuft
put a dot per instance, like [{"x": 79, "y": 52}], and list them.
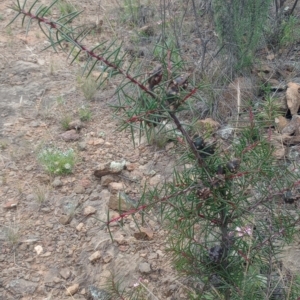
[
  {"x": 41, "y": 193},
  {"x": 85, "y": 114},
  {"x": 56, "y": 161},
  {"x": 65, "y": 122},
  {"x": 89, "y": 88},
  {"x": 12, "y": 234},
  {"x": 65, "y": 7}
]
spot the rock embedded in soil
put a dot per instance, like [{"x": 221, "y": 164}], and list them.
[
  {"x": 65, "y": 273},
  {"x": 226, "y": 132},
  {"x": 120, "y": 201},
  {"x": 145, "y": 268},
  {"x": 57, "y": 182},
  {"x": 89, "y": 210},
  {"x": 79, "y": 227},
  {"x": 293, "y": 127},
  {"x": 10, "y": 204},
  {"x": 76, "y": 124},
  {"x": 64, "y": 220},
  {"x": 94, "y": 293},
  {"x": 109, "y": 168},
  {"x": 115, "y": 187},
  {"x": 72, "y": 290},
  {"x": 79, "y": 189},
  {"x": 70, "y": 135},
  {"x": 82, "y": 146},
  {"x": 106, "y": 180},
  {"x": 281, "y": 123},
  {"x": 95, "y": 256},
  {"x": 21, "y": 287},
  {"x": 293, "y": 97}
]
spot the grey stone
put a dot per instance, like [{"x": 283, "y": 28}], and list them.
[
  {"x": 226, "y": 132},
  {"x": 106, "y": 180},
  {"x": 104, "y": 195},
  {"x": 79, "y": 189},
  {"x": 95, "y": 196},
  {"x": 82, "y": 146},
  {"x": 21, "y": 286},
  {"x": 21, "y": 66},
  {"x": 89, "y": 210},
  {"x": 94, "y": 293},
  {"x": 144, "y": 268},
  {"x": 64, "y": 220},
  {"x": 34, "y": 124},
  {"x": 65, "y": 273},
  {"x": 294, "y": 153},
  {"x": 57, "y": 182}
]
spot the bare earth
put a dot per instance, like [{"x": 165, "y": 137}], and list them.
[
  {"x": 52, "y": 235},
  {"x": 40, "y": 255}
]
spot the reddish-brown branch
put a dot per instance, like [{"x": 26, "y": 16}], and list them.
[
  {"x": 143, "y": 207},
  {"x": 53, "y": 25}
]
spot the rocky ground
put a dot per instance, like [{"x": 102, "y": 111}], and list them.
[{"x": 52, "y": 239}]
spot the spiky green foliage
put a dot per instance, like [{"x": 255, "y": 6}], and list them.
[
  {"x": 224, "y": 212},
  {"x": 228, "y": 230},
  {"x": 239, "y": 25}
]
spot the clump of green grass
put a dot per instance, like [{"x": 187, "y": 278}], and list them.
[
  {"x": 290, "y": 32},
  {"x": 65, "y": 7},
  {"x": 65, "y": 121},
  {"x": 41, "y": 193},
  {"x": 12, "y": 235},
  {"x": 89, "y": 88},
  {"x": 56, "y": 161},
  {"x": 85, "y": 114}
]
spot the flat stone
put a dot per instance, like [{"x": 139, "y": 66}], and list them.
[
  {"x": 21, "y": 287},
  {"x": 155, "y": 180},
  {"x": 131, "y": 166},
  {"x": 89, "y": 210},
  {"x": 95, "y": 256},
  {"x": 82, "y": 146},
  {"x": 95, "y": 196},
  {"x": 64, "y": 220},
  {"x": 106, "y": 180},
  {"x": 226, "y": 132},
  {"x": 10, "y": 204},
  {"x": 57, "y": 182},
  {"x": 293, "y": 126},
  {"x": 104, "y": 195},
  {"x": 79, "y": 189},
  {"x": 144, "y": 268},
  {"x": 114, "y": 187},
  {"x": 70, "y": 135},
  {"x": 95, "y": 293},
  {"x": 79, "y": 227},
  {"x": 72, "y": 290},
  {"x": 109, "y": 168},
  {"x": 65, "y": 273},
  {"x": 86, "y": 183}
]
